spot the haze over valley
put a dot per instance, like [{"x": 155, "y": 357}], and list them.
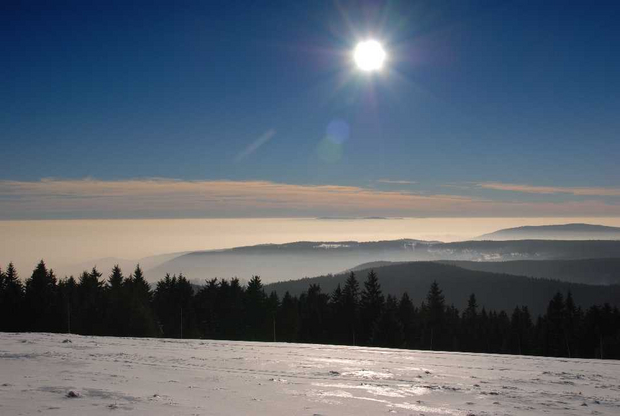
[{"x": 69, "y": 247}]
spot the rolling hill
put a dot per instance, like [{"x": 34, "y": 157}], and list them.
[
  {"x": 276, "y": 262},
  {"x": 589, "y": 271},
  {"x": 556, "y": 232},
  {"x": 493, "y": 290}
]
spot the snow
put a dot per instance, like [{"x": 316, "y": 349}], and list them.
[{"x": 110, "y": 376}]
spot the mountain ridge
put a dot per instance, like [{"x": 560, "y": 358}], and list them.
[
  {"x": 498, "y": 291},
  {"x": 571, "y": 231}
]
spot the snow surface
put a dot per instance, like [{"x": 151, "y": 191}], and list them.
[{"x": 202, "y": 377}]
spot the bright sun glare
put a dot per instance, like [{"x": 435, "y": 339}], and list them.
[{"x": 369, "y": 55}]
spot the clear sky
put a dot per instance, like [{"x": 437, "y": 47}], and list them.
[{"x": 255, "y": 109}]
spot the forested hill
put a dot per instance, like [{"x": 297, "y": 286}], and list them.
[
  {"x": 493, "y": 290},
  {"x": 277, "y": 262},
  {"x": 556, "y": 232},
  {"x": 589, "y": 271}
]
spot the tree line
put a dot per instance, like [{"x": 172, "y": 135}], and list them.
[{"x": 354, "y": 314}]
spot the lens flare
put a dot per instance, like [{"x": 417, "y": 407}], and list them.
[{"x": 338, "y": 131}]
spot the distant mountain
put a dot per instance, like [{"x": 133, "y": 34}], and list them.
[
  {"x": 556, "y": 232},
  {"x": 104, "y": 265},
  {"x": 276, "y": 262},
  {"x": 493, "y": 290},
  {"x": 589, "y": 271},
  {"x": 372, "y": 265}
]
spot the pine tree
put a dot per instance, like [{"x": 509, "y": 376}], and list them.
[
  {"x": 234, "y": 309},
  {"x": 118, "y": 304},
  {"x": 555, "y": 343},
  {"x": 11, "y": 300},
  {"x": 90, "y": 292},
  {"x": 350, "y": 305},
  {"x": 272, "y": 305},
  {"x": 141, "y": 321},
  {"x": 254, "y": 310},
  {"x": 371, "y": 306},
  {"x": 165, "y": 307},
  {"x": 287, "y": 323},
  {"x": 407, "y": 315},
  {"x": 435, "y": 315},
  {"x": 388, "y": 330},
  {"x": 337, "y": 323},
  {"x": 520, "y": 331},
  {"x": 206, "y": 303},
  {"x": 40, "y": 300},
  {"x": 313, "y": 311},
  {"x": 184, "y": 296},
  {"x": 450, "y": 335},
  {"x": 69, "y": 305},
  {"x": 572, "y": 323},
  {"x": 470, "y": 324}
]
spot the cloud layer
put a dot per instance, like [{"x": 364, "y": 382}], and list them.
[
  {"x": 169, "y": 198},
  {"x": 395, "y": 182},
  {"x": 530, "y": 189}
]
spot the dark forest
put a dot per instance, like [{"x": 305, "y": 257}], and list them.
[{"x": 355, "y": 313}]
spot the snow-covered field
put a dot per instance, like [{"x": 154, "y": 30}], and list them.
[{"x": 198, "y": 377}]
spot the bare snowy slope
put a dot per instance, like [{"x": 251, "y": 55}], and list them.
[{"x": 196, "y": 377}]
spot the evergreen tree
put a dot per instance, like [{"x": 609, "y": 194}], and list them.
[
  {"x": 223, "y": 309},
  {"x": 371, "y": 306},
  {"x": 555, "y": 343},
  {"x": 205, "y": 308},
  {"x": 184, "y": 298},
  {"x": 520, "y": 331},
  {"x": 255, "y": 311},
  {"x": 572, "y": 324},
  {"x": 450, "y": 335},
  {"x": 118, "y": 303},
  {"x": 272, "y": 305},
  {"x": 69, "y": 305},
  {"x": 11, "y": 300},
  {"x": 313, "y": 312},
  {"x": 287, "y": 322},
  {"x": 337, "y": 323},
  {"x": 165, "y": 307},
  {"x": 500, "y": 335},
  {"x": 91, "y": 300},
  {"x": 40, "y": 300},
  {"x": 435, "y": 315},
  {"x": 470, "y": 325},
  {"x": 407, "y": 315},
  {"x": 350, "y": 306},
  {"x": 141, "y": 321},
  {"x": 233, "y": 307},
  {"x": 388, "y": 330}
]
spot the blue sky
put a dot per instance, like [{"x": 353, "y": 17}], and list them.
[{"x": 510, "y": 105}]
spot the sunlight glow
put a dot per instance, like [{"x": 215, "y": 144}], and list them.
[{"x": 369, "y": 55}]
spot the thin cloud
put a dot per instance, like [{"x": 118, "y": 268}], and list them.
[
  {"x": 549, "y": 190},
  {"x": 170, "y": 198},
  {"x": 264, "y": 138},
  {"x": 395, "y": 182}
]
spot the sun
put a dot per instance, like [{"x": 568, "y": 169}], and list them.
[{"x": 369, "y": 55}]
